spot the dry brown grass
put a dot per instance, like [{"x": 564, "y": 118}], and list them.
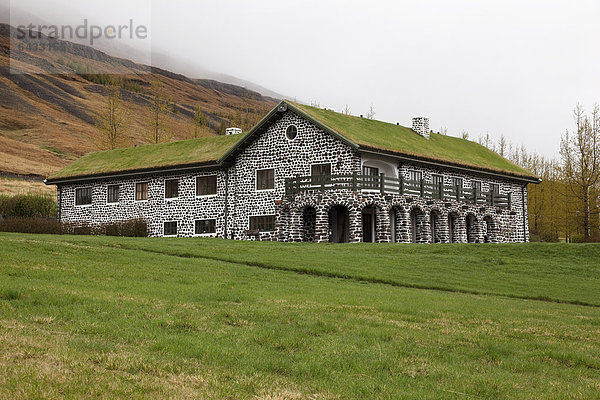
[
  {"x": 40, "y": 137},
  {"x": 14, "y": 186}
]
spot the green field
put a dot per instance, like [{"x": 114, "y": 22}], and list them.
[{"x": 89, "y": 317}]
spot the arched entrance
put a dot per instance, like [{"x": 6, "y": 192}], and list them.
[
  {"x": 489, "y": 236},
  {"x": 309, "y": 221},
  {"x": 338, "y": 224},
  {"x": 453, "y": 232},
  {"x": 472, "y": 230},
  {"x": 369, "y": 219},
  {"x": 435, "y": 225},
  {"x": 417, "y": 226}
]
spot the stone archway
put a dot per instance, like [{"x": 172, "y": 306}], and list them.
[
  {"x": 436, "y": 227},
  {"x": 419, "y": 232},
  {"x": 472, "y": 228},
  {"x": 453, "y": 227},
  {"x": 369, "y": 224},
  {"x": 490, "y": 234},
  {"x": 339, "y": 224},
  {"x": 400, "y": 232},
  {"x": 309, "y": 222}
]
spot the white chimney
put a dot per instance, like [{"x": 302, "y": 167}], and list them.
[
  {"x": 421, "y": 126},
  {"x": 233, "y": 131}
]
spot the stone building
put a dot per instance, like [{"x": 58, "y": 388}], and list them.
[{"x": 306, "y": 174}]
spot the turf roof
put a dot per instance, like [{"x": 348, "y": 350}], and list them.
[
  {"x": 373, "y": 134},
  {"x": 194, "y": 151},
  {"x": 362, "y": 133}
]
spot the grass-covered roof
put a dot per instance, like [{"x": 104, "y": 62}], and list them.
[
  {"x": 369, "y": 133},
  {"x": 362, "y": 133},
  {"x": 194, "y": 151}
]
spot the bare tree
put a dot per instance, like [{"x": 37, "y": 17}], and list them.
[
  {"x": 464, "y": 135},
  {"x": 160, "y": 107},
  {"x": 346, "y": 110},
  {"x": 580, "y": 152},
  {"x": 199, "y": 121},
  {"x": 444, "y": 130},
  {"x": 487, "y": 141},
  {"x": 371, "y": 112},
  {"x": 113, "y": 120},
  {"x": 502, "y": 145}
]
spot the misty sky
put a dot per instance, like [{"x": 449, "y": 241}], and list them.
[{"x": 511, "y": 67}]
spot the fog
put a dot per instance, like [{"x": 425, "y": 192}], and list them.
[{"x": 503, "y": 67}]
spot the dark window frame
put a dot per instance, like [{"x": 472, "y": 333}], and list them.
[
  {"x": 437, "y": 177},
  {"x": 460, "y": 182},
  {"x": 110, "y": 199},
  {"x": 494, "y": 187},
  {"x": 79, "y": 197},
  {"x": 270, "y": 181},
  {"x": 262, "y": 223},
  {"x": 415, "y": 175},
  {"x": 213, "y": 223},
  {"x": 139, "y": 194},
  {"x": 207, "y": 186},
  {"x": 170, "y": 224},
  {"x": 316, "y": 172},
  {"x": 171, "y": 189},
  {"x": 287, "y": 132},
  {"x": 477, "y": 183}
]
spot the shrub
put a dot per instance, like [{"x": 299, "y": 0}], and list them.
[
  {"x": 28, "y": 205},
  {"x": 131, "y": 228},
  {"x": 579, "y": 238},
  {"x": 31, "y": 225}
]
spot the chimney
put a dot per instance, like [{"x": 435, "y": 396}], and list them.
[
  {"x": 233, "y": 131},
  {"x": 421, "y": 126}
]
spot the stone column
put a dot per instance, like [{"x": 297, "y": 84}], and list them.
[{"x": 322, "y": 225}]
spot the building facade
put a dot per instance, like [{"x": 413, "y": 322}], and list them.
[{"x": 295, "y": 177}]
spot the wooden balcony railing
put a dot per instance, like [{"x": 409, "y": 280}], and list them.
[{"x": 387, "y": 185}]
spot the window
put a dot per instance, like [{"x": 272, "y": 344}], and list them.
[
  {"x": 457, "y": 182},
  {"x": 262, "y": 223},
  {"x": 318, "y": 170},
  {"x": 171, "y": 188},
  {"x": 265, "y": 179},
  {"x": 415, "y": 175},
  {"x": 83, "y": 196},
  {"x": 437, "y": 179},
  {"x": 476, "y": 185},
  {"x": 291, "y": 132},
  {"x": 494, "y": 188},
  {"x": 206, "y": 185},
  {"x": 370, "y": 171},
  {"x": 112, "y": 194},
  {"x": 204, "y": 226},
  {"x": 170, "y": 228},
  {"x": 141, "y": 191},
  {"x": 370, "y": 183}
]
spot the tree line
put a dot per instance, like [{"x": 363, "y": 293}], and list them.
[{"x": 566, "y": 204}]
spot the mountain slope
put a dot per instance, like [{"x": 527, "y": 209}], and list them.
[{"x": 48, "y": 111}]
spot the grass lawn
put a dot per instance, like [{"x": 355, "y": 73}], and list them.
[{"x": 84, "y": 317}]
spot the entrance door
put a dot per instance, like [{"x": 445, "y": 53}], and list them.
[
  {"x": 368, "y": 224},
  {"x": 338, "y": 224}
]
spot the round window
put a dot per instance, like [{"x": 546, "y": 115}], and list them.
[{"x": 291, "y": 132}]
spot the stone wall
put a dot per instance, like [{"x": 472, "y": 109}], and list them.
[
  {"x": 397, "y": 218},
  {"x": 185, "y": 209}
]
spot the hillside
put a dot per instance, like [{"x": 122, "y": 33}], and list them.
[
  {"x": 48, "y": 113},
  {"x": 89, "y": 317}
]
